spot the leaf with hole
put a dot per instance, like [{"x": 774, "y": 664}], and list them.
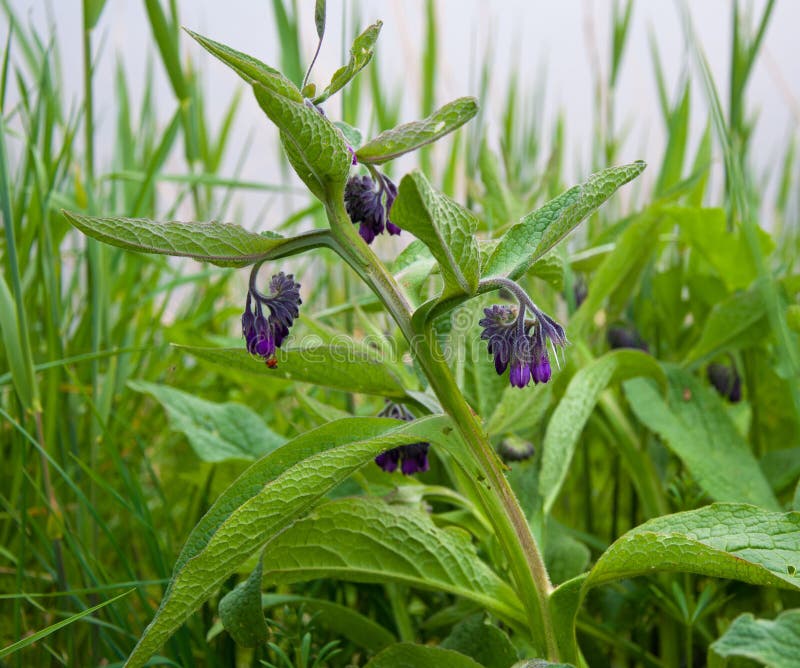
[{"x": 393, "y": 143}]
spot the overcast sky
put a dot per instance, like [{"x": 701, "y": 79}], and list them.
[{"x": 561, "y": 39}]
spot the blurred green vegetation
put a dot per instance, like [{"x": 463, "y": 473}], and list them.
[{"x": 99, "y": 488}]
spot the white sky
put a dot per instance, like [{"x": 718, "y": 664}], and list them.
[{"x": 559, "y": 38}]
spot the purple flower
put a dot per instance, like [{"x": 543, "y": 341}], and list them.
[
  {"x": 620, "y": 336},
  {"x": 262, "y": 333},
  {"x": 370, "y": 206},
  {"x": 520, "y": 344},
  {"x": 411, "y": 458},
  {"x": 726, "y": 381}
]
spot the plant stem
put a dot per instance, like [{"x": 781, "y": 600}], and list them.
[{"x": 502, "y": 507}]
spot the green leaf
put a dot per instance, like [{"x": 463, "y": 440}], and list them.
[
  {"x": 723, "y": 540},
  {"x": 772, "y": 643},
  {"x": 339, "y": 619},
  {"x": 319, "y": 17},
  {"x": 542, "y": 229},
  {"x": 268, "y": 497},
  {"x": 250, "y": 69},
  {"x": 408, "y": 137},
  {"x": 340, "y": 367},
  {"x": 445, "y": 227},
  {"x": 572, "y": 412},
  {"x": 216, "y": 432},
  {"x": 621, "y": 267},
  {"x": 360, "y": 55},
  {"x": 367, "y": 540},
  {"x": 726, "y": 251},
  {"x": 726, "y": 324},
  {"x": 408, "y": 655},
  {"x": 315, "y": 147},
  {"x": 241, "y": 614},
  {"x": 485, "y": 643},
  {"x": 223, "y": 244},
  {"x": 694, "y": 424},
  {"x": 43, "y": 633}
]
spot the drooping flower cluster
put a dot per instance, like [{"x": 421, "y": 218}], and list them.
[
  {"x": 411, "y": 458},
  {"x": 370, "y": 205},
  {"x": 521, "y": 344},
  {"x": 264, "y": 333}
]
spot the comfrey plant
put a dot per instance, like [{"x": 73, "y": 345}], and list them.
[{"x": 278, "y": 510}]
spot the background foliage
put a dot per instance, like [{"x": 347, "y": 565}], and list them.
[{"x": 117, "y": 443}]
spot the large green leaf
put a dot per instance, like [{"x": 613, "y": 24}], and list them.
[
  {"x": 360, "y": 55},
  {"x": 542, "y": 229},
  {"x": 728, "y": 322},
  {"x": 223, "y": 244},
  {"x": 339, "y": 367},
  {"x": 446, "y": 227},
  {"x": 315, "y": 147},
  {"x": 367, "y": 540},
  {"x": 393, "y": 143},
  {"x": 267, "y": 498},
  {"x": 723, "y": 540},
  {"x": 216, "y": 432},
  {"x": 408, "y": 655},
  {"x": 694, "y": 424},
  {"x": 572, "y": 412},
  {"x": 774, "y": 643}
]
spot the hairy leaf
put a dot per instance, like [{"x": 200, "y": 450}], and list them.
[
  {"x": 367, "y": 540},
  {"x": 360, "y": 55},
  {"x": 572, "y": 412},
  {"x": 223, "y": 244},
  {"x": 446, "y": 227},
  {"x": 241, "y": 614},
  {"x": 268, "y": 497},
  {"x": 542, "y": 229},
  {"x": 340, "y": 367},
  {"x": 409, "y": 655},
  {"x": 694, "y": 424},
  {"x": 774, "y": 643},
  {"x": 488, "y": 645},
  {"x": 216, "y": 432},
  {"x": 393, "y": 143},
  {"x": 723, "y": 540},
  {"x": 727, "y": 323},
  {"x": 315, "y": 147}
]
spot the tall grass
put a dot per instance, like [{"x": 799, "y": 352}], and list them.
[{"x": 96, "y": 492}]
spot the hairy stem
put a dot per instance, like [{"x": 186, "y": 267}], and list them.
[{"x": 502, "y": 507}]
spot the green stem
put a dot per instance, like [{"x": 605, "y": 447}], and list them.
[{"x": 501, "y": 506}]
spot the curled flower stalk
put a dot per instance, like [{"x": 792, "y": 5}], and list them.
[
  {"x": 267, "y": 319},
  {"x": 519, "y": 343}
]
